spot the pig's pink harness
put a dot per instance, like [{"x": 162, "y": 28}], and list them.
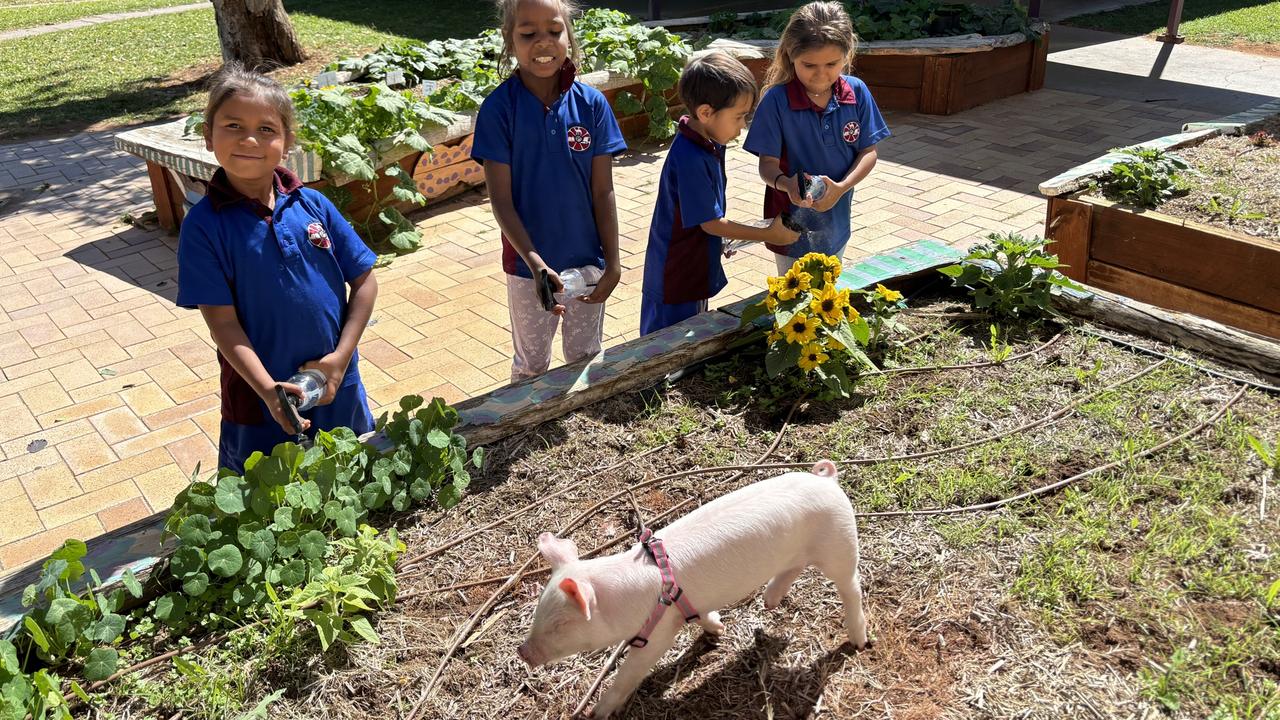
[{"x": 672, "y": 593}]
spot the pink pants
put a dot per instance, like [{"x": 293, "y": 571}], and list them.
[{"x": 533, "y": 329}]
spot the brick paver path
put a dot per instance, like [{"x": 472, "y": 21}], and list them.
[{"x": 109, "y": 392}]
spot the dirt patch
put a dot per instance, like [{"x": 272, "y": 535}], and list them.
[{"x": 1236, "y": 187}]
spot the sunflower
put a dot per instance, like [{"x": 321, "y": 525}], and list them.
[
  {"x": 774, "y": 336},
  {"x": 850, "y": 312},
  {"x": 833, "y": 264},
  {"x": 887, "y": 294},
  {"x": 811, "y": 357},
  {"x": 827, "y": 306},
  {"x": 792, "y": 283},
  {"x": 801, "y": 329}
]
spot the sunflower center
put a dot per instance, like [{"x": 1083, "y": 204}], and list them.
[
  {"x": 798, "y": 327},
  {"x": 828, "y": 305}
]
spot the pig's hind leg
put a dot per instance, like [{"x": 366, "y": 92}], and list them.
[
  {"x": 779, "y": 585},
  {"x": 841, "y": 567}
]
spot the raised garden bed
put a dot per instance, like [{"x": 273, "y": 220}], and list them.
[
  {"x": 1173, "y": 262},
  {"x": 1026, "y": 497},
  {"x": 1059, "y": 592}
]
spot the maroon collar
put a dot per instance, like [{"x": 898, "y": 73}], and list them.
[
  {"x": 799, "y": 99},
  {"x": 568, "y": 74},
  {"x": 697, "y": 138},
  {"x": 222, "y": 193}
]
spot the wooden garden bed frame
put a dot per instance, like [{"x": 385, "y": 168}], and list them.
[{"x": 1169, "y": 262}]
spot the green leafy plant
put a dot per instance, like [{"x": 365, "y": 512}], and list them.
[
  {"x": 815, "y": 328},
  {"x": 38, "y": 695},
  {"x": 998, "y": 348},
  {"x": 612, "y": 40},
  {"x": 272, "y": 525},
  {"x": 884, "y": 305},
  {"x": 1145, "y": 177},
  {"x": 336, "y": 601},
  {"x": 1230, "y": 208},
  {"x": 351, "y": 128},
  {"x": 1010, "y": 277}
]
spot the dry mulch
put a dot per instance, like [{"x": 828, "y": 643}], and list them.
[{"x": 1242, "y": 168}]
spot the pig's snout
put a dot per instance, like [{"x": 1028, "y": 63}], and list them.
[{"x": 527, "y": 655}]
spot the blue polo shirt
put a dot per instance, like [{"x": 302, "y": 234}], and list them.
[
  {"x": 682, "y": 262},
  {"x": 550, "y": 150},
  {"x": 818, "y": 141},
  {"x": 285, "y": 271}
]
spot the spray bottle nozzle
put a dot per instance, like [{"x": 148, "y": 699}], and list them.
[{"x": 289, "y": 403}]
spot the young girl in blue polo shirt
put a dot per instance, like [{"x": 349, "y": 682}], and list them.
[
  {"x": 269, "y": 262},
  {"x": 547, "y": 144},
  {"x": 816, "y": 121}
]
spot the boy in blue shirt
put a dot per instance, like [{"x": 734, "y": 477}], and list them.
[{"x": 682, "y": 267}]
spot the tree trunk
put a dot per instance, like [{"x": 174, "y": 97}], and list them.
[{"x": 257, "y": 33}]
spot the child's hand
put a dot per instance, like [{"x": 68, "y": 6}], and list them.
[
  {"x": 279, "y": 414},
  {"x": 780, "y": 234},
  {"x": 831, "y": 197},
  {"x": 792, "y": 186},
  {"x": 604, "y": 286},
  {"x": 334, "y": 369}
]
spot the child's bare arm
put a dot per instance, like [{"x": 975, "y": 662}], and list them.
[
  {"x": 775, "y": 232},
  {"x": 229, "y": 336},
  {"x": 497, "y": 177},
  {"x": 606, "y": 212},
  {"x": 364, "y": 292}
]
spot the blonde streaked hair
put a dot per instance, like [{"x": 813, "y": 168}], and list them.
[
  {"x": 813, "y": 26},
  {"x": 507, "y": 22}
]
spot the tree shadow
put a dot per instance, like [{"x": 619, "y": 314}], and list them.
[{"x": 144, "y": 258}]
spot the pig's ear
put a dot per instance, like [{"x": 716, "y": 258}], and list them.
[
  {"x": 580, "y": 593},
  {"x": 557, "y": 551}
]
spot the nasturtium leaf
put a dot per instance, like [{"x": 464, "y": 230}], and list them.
[
  {"x": 331, "y": 509},
  {"x": 195, "y": 530},
  {"x": 284, "y": 518},
  {"x": 107, "y": 629},
  {"x": 438, "y": 438},
  {"x": 36, "y": 632},
  {"x": 226, "y": 560},
  {"x": 196, "y": 585},
  {"x": 477, "y": 457},
  {"x": 347, "y": 522},
  {"x": 448, "y": 496},
  {"x": 313, "y": 544},
  {"x": 402, "y": 461},
  {"x": 230, "y": 495},
  {"x": 287, "y": 543},
  {"x": 68, "y": 618},
  {"x": 245, "y": 533},
  {"x": 420, "y": 489},
  {"x": 293, "y": 573},
  {"x": 401, "y": 501},
  {"x": 101, "y": 664},
  {"x": 186, "y": 561},
  {"x": 262, "y": 545},
  {"x": 171, "y": 608}
]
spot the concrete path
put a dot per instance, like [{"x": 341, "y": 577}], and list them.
[
  {"x": 109, "y": 392},
  {"x": 97, "y": 20}
]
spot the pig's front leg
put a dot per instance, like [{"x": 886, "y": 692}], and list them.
[
  {"x": 711, "y": 622},
  {"x": 635, "y": 668}
]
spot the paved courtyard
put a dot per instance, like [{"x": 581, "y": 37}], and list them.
[{"x": 109, "y": 392}]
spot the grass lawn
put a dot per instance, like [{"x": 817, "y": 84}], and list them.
[
  {"x": 1204, "y": 22},
  {"x": 15, "y": 14},
  {"x": 150, "y": 68}
]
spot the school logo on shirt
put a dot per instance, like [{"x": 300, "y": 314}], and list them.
[
  {"x": 579, "y": 138},
  {"x": 851, "y": 131},
  {"x": 317, "y": 235}
]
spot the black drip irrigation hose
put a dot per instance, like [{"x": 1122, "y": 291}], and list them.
[{"x": 1181, "y": 361}]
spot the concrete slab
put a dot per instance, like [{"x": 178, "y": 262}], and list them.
[{"x": 1140, "y": 69}]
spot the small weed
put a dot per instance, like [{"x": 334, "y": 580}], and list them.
[{"x": 999, "y": 350}]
